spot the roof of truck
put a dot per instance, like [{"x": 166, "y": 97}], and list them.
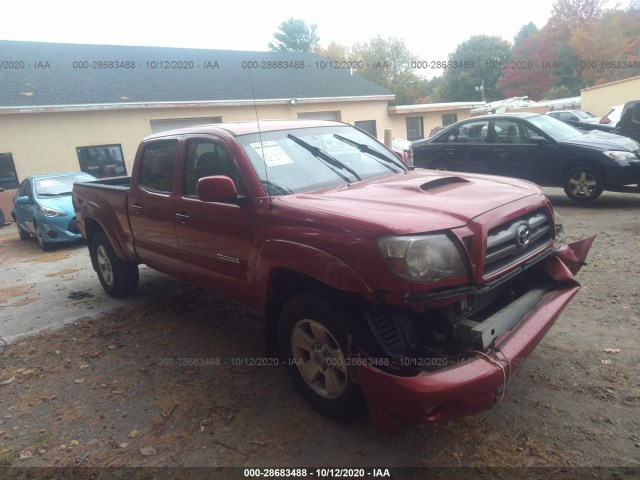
[{"x": 243, "y": 128}]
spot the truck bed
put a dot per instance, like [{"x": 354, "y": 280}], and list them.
[{"x": 118, "y": 183}]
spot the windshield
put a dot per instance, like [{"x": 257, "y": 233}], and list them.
[
  {"x": 305, "y": 159},
  {"x": 556, "y": 129},
  {"x": 62, "y": 185}
]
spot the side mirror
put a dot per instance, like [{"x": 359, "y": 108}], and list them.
[
  {"x": 23, "y": 200},
  {"x": 216, "y": 189}
]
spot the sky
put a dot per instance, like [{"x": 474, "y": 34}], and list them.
[{"x": 430, "y": 29}]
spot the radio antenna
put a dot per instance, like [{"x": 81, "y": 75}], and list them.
[{"x": 264, "y": 158}]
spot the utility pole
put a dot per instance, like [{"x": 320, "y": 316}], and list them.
[{"x": 481, "y": 90}]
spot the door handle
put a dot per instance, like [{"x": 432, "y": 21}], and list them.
[
  {"x": 182, "y": 217},
  {"x": 137, "y": 208}
]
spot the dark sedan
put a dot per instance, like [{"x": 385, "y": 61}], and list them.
[{"x": 538, "y": 148}]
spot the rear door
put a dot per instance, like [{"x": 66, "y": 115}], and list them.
[
  {"x": 151, "y": 206},
  {"x": 215, "y": 238}
]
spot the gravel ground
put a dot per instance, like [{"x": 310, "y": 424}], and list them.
[{"x": 105, "y": 385}]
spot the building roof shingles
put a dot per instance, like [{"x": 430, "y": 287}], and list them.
[{"x": 50, "y": 74}]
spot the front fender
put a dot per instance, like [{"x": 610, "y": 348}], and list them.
[{"x": 309, "y": 261}]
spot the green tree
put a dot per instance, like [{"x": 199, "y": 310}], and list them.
[
  {"x": 568, "y": 73},
  {"x": 558, "y": 92},
  {"x": 484, "y": 55},
  {"x": 526, "y": 31},
  {"x": 295, "y": 36},
  {"x": 385, "y": 62}
]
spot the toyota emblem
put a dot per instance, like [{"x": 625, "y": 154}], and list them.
[{"x": 523, "y": 235}]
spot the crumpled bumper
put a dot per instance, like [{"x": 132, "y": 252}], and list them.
[{"x": 477, "y": 384}]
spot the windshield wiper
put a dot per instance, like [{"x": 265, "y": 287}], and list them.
[
  {"x": 322, "y": 155},
  {"x": 48, "y": 194},
  {"x": 367, "y": 149}
]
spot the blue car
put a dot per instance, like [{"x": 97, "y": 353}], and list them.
[{"x": 43, "y": 208}]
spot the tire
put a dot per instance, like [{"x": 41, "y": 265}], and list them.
[
  {"x": 583, "y": 184},
  {"x": 312, "y": 336},
  {"x": 118, "y": 278},
  {"x": 24, "y": 236},
  {"x": 45, "y": 246}
]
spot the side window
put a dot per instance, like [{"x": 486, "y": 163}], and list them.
[
  {"x": 473, "y": 132},
  {"x": 205, "y": 159},
  {"x": 157, "y": 169},
  {"x": 509, "y": 131},
  {"x": 25, "y": 189}
]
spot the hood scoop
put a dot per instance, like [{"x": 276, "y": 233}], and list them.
[{"x": 441, "y": 182}]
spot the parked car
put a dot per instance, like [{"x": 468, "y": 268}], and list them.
[
  {"x": 613, "y": 116},
  {"x": 435, "y": 130},
  {"x": 400, "y": 147},
  {"x": 2, "y": 217},
  {"x": 538, "y": 148},
  {"x": 574, "y": 116},
  {"x": 415, "y": 288},
  {"x": 43, "y": 208},
  {"x": 579, "y": 119},
  {"x": 629, "y": 122}
]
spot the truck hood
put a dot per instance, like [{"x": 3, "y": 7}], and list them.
[
  {"x": 418, "y": 201},
  {"x": 603, "y": 141}
]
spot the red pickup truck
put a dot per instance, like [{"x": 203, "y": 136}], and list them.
[{"x": 421, "y": 291}]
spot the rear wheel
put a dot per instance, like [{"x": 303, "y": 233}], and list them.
[
  {"x": 312, "y": 337},
  {"x": 118, "y": 278},
  {"x": 583, "y": 184}
]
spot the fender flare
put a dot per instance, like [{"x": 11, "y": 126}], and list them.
[
  {"x": 306, "y": 260},
  {"x": 108, "y": 222}
]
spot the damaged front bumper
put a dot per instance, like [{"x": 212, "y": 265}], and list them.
[{"x": 477, "y": 383}]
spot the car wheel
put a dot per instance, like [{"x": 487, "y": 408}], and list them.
[
  {"x": 313, "y": 342},
  {"x": 118, "y": 278},
  {"x": 583, "y": 184},
  {"x": 24, "y": 236},
  {"x": 44, "y": 245}
]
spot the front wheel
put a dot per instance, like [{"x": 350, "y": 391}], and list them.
[
  {"x": 44, "y": 245},
  {"x": 24, "y": 236},
  {"x": 312, "y": 336},
  {"x": 118, "y": 278},
  {"x": 583, "y": 184}
]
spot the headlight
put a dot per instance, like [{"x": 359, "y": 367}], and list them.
[
  {"x": 425, "y": 258},
  {"x": 620, "y": 155},
  {"x": 51, "y": 212}
]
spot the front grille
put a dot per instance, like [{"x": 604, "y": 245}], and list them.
[
  {"x": 509, "y": 242},
  {"x": 73, "y": 226}
]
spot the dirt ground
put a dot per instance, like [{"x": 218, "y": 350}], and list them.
[{"x": 111, "y": 383}]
